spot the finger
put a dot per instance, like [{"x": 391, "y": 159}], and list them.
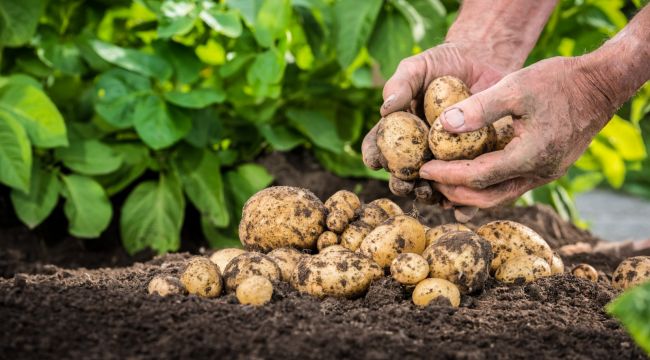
[
  {"x": 400, "y": 187},
  {"x": 464, "y": 214},
  {"x": 495, "y": 195},
  {"x": 370, "y": 151},
  {"x": 425, "y": 194},
  {"x": 404, "y": 85}
]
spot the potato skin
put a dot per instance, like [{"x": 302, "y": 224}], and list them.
[
  {"x": 505, "y": 132},
  {"x": 409, "y": 268},
  {"x": 354, "y": 234},
  {"x": 286, "y": 259},
  {"x": 282, "y": 216},
  {"x": 328, "y": 238},
  {"x": 557, "y": 265},
  {"x": 434, "y": 233},
  {"x": 378, "y": 211},
  {"x": 631, "y": 272},
  {"x": 341, "y": 209},
  {"x": 585, "y": 271},
  {"x": 430, "y": 289},
  {"x": 402, "y": 140},
  {"x": 202, "y": 277},
  {"x": 222, "y": 257},
  {"x": 254, "y": 290},
  {"x": 510, "y": 239},
  {"x": 397, "y": 235},
  {"x": 247, "y": 265},
  {"x": 165, "y": 285},
  {"x": 461, "y": 257},
  {"x": 464, "y": 146},
  {"x": 527, "y": 268},
  {"x": 441, "y": 93}
]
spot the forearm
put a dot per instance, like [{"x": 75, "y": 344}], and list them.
[{"x": 508, "y": 29}]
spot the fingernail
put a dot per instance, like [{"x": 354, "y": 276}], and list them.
[
  {"x": 454, "y": 118},
  {"x": 388, "y": 101}
]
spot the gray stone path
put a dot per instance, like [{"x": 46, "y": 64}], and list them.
[{"x": 614, "y": 216}]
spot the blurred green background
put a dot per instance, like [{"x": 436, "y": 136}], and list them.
[{"x": 168, "y": 103}]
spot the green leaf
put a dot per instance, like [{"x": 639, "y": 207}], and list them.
[
  {"x": 611, "y": 163},
  {"x": 15, "y": 154},
  {"x": 281, "y": 137},
  {"x": 86, "y": 206},
  {"x": 133, "y": 60},
  {"x": 36, "y": 205},
  {"x": 632, "y": 308},
  {"x": 177, "y": 18},
  {"x": 354, "y": 22},
  {"x": 245, "y": 181},
  {"x": 159, "y": 126},
  {"x": 433, "y": 17},
  {"x": 18, "y": 21},
  {"x": 152, "y": 216},
  {"x": 586, "y": 182},
  {"x": 206, "y": 128},
  {"x": 391, "y": 41},
  {"x": 268, "y": 68},
  {"x": 223, "y": 22},
  {"x": 89, "y": 157},
  {"x": 272, "y": 21},
  {"x": 625, "y": 138},
  {"x": 186, "y": 64},
  {"x": 317, "y": 127},
  {"x": 348, "y": 164},
  {"x": 217, "y": 237},
  {"x": 248, "y": 9},
  {"x": 117, "y": 93},
  {"x": 59, "y": 53},
  {"x": 196, "y": 98},
  {"x": 135, "y": 160}
]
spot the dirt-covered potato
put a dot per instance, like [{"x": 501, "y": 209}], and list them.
[
  {"x": 442, "y": 93},
  {"x": 461, "y": 257},
  {"x": 464, "y": 146},
  {"x": 247, "y": 265},
  {"x": 328, "y": 238},
  {"x": 402, "y": 140},
  {"x": 378, "y": 211},
  {"x": 202, "y": 277},
  {"x": 341, "y": 209},
  {"x": 524, "y": 268},
  {"x": 354, "y": 234},
  {"x": 165, "y": 285},
  {"x": 428, "y": 290},
  {"x": 254, "y": 290},
  {"x": 338, "y": 272},
  {"x": 434, "y": 233},
  {"x": 510, "y": 239},
  {"x": 557, "y": 265},
  {"x": 335, "y": 248},
  {"x": 631, "y": 272},
  {"x": 505, "y": 131},
  {"x": 409, "y": 268},
  {"x": 397, "y": 235},
  {"x": 585, "y": 271},
  {"x": 286, "y": 259},
  {"x": 222, "y": 257},
  {"x": 282, "y": 216}
]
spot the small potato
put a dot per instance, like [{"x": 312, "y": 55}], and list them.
[
  {"x": 585, "y": 271},
  {"x": 505, "y": 132},
  {"x": 202, "y": 277},
  {"x": 250, "y": 264},
  {"x": 402, "y": 140},
  {"x": 282, "y": 216},
  {"x": 464, "y": 146},
  {"x": 353, "y": 236},
  {"x": 631, "y": 272},
  {"x": 328, "y": 238},
  {"x": 165, "y": 285},
  {"x": 557, "y": 265},
  {"x": 286, "y": 259},
  {"x": 409, "y": 268},
  {"x": 461, "y": 257},
  {"x": 397, "y": 235},
  {"x": 428, "y": 290},
  {"x": 334, "y": 248},
  {"x": 341, "y": 209},
  {"x": 435, "y": 233},
  {"x": 223, "y": 256},
  {"x": 378, "y": 211},
  {"x": 510, "y": 239},
  {"x": 442, "y": 93},
  {"x": 254, "y": 290},
  {"x": 525, "y": 268}
]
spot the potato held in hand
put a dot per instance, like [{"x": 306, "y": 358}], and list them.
[
  {"x": 442, "y": 93},
  {"x": 202, "y": 277},
  {"x": 524, "y": 268},
  {"x": 402, "y": 140},
  {"x": 401, "y": 234},
  {"x": 631, "y": 272},
  {"x": 247, "y": 265}
]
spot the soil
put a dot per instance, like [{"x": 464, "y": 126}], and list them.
[{"x": 62, "y": 297}]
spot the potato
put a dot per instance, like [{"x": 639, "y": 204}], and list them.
[
  {"x": 353, "y": 236},
  {"x": 510, "y": 239},
  {"x": 165, "y": 285},
  {"x": 409, "y": 268},
  {"x": 254, "y": 290},
  {"x": 341, "y": 209},
  {"x": 557, "y": 265},
  {"x": 435, "y": 233},
  {"x": 525, "y": 268},
  {"x": 631, "y": 272},
  {"x": 337, "y": 272},
  {"x": 247, "y": 265},
  {"x": 428, "y": 290},
  {"x": 463, "y": 146},
  {"x": 585, "y": 271},
  {"x": 223, "y": 256},
  {"x": 397, "y": 235},
  {"x": 202, "y": 277},
  {"x": 282, "y": 216},
  {"x": 461, "y": 257},
  {"x": 442, "y": 93},
  {"x": 286, "y": 259},
  {"x": 328, "y": 238},
  {"x": 402, "y": 141},
  {"x": 335, "y": 248},
  {"x": 378, "y": 211},
  {"x": 505, "y": 132}
]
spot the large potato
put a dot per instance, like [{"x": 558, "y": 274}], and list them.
[
  {"x": 409, "y": 268},
  {"x": 202, "y": 277},
  {"x": 428, "y": 290},
  {"x": 442, "y": 93},
  {"x": 337, "y": 272},
  {"x": 247, "y": 265},
  {"x": 461, "y": 257},
  {"x": 434, "y": 233},
  {"x": 463, "y": 146},
  {"x": 505, "y": 132},
  {"x": 402, "y": 140},
  {"x": 282, "y": 216},
  {"x": 397, "y": 235},
  {"x": 354, "y": 234},
  {"x": 286, "y": 259},
  {"x": 222, "y": 257},
  {"x": 631, "y": 272},
  {"x": 341, "y": 209},
  {"x": 255, "y": 290},
  {"x": 510, "y": 239},
  {"x": 524, "y": 268}
]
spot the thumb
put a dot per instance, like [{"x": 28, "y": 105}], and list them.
[{"x": 478, "y": 110}]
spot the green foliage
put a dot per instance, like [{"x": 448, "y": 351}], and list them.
[{"x": 632, "y": 308}]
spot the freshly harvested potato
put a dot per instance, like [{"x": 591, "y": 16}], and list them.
[
  {"x": 282, "y": 216},
  {"x": 557, "y": 265},
  {"x": 409, "y": 268},
  {"x": 202, "y": 277},
  {"x": 335, "y": 248},
  {"x": 328, "y": 238},
  {"x": 337, "y": 272},
  {"x": 585, "y": 271},
  {"x": 505, "y": 132},
  {"x": 464, "y": 146},
  {"x": 378, "y": 211},
  {"x": 165, "y": 285},
  {"x": 631, "y": 272},
  {"x": 397, "y": 235},
  {"x": 223, "y": 256},
  {"x": 254, "y": 290},
  {"x": 250, "y": 264},
  {"x": 341, "y": 209},
  {"x": 461, "y": 257},
  {"x": 434, "y": 233},
  {"x": 353, "y": 236},
  {"x": 402, "y": 140},
  {"x": 428, "y": 290},
  {"x": 286, "y": 259},
  {"x": 442, "y": 93},
  {"x": 527, "y": 268},
  {"x": 510, "y": 239}
]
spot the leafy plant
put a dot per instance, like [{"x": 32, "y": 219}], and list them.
[{"x": 632, "y": 308}]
